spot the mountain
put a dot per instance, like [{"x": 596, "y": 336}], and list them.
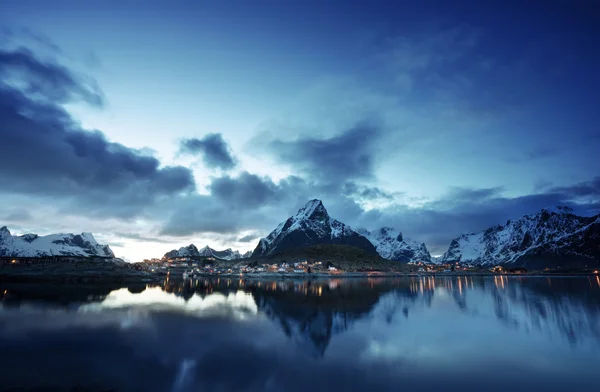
[
  {"x": 207, "y": 251},
  {"x": 32, "y": 245},
  {"x": 184, "y": 251},
  {"x": 312, "y": 225},
  {"x": 550, "y": 238},
  {"x": 391, "y": 245},
  {"x": 226, "y": 254}
]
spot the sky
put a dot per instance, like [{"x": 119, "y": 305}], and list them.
[{"x": 159, "y": 124}]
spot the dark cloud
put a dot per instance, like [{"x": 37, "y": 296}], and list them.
[
  {"x": 248, "y": 188},
  {"x": 17, "y": 38},
  {"x": 45, "y": 153},
  {"x": 457, "y": 196},
  {"x": 214, "y": 150},
  {"x": 367, "y": 192},
  {"x": 589, "y": 188},
  {"x": 138, "y": 237},
  {"x": 245, "y": 202},
  {"x": 52, "y": 82},
  {"x": 248, "y": 238},
  {"x": 23, "y": 33},
  {"x": 203, "y": 213},
  {"x": 335, "y": 160}
]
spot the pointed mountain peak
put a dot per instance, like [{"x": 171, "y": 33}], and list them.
[
  {"x": 4, "y": 230},
  {"x": 311, "y": 225},
  {"x": 314, "y": 209}
]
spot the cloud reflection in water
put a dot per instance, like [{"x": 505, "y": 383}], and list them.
[{"x": 376, "y": 334}]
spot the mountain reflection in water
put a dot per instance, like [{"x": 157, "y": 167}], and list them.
[{"x": 424, "y": 333}]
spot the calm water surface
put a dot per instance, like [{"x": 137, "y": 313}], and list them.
[{"x": 492, "y": 333}]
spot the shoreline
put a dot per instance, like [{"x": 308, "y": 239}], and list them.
[
  {"x": 106, "y": 273},
  {"x": 384, "y": 275}
]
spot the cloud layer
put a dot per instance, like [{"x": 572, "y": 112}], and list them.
[
  {"x": 45, "y": 153},
  {"x": 215, "y": 152},
  {"x": 350, "y": 155},
  {"x": 50, "y": 160}
]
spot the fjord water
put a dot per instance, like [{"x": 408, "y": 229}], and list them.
[{"x": 383, "y": 334}]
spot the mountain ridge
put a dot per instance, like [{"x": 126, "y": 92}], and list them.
[
  {"x": 392, "y": 245},
  {"x": 61, "y": 244},
  {"x": 552, "y": 236},
  {"x": 192, "y": 251}
]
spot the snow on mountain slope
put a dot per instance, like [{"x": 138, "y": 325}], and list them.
[
  {"x": 312, "y": 225},
  {"x": 184, "y": 251},
  {"x": 207, "y": 251},
  {"x": 32, "y": 245},
  {"x": 551, "y": 234},
  {"x": 226, "y": 254},
  {"x": 391, "y": 245}
]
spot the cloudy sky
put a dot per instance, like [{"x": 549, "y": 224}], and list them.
[{"x": 157, "y": 124}]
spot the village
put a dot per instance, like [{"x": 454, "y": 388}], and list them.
[
  {"x": 188, "y": 267},
  {"x": 210, "y": 266}
]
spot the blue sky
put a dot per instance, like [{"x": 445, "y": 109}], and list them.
[{"x": 431, "y": 117}]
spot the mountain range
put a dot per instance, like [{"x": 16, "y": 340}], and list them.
[
  {"x": 550, "y": 238},
  {"x": 192, "y": 251},
  {"x": 33, "y": 245},
  {"x": 312, "y": 225}
]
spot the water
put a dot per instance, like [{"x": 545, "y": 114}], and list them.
[{"x": 469, "y": 333}]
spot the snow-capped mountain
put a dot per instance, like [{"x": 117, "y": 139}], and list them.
[
  {"x": 32, "y": 245},
  {"x": 207, "y": 251},
  {"x": 184, "y": 251},
  {"x": 392, "y": 245},
  {"x": 312, "y": 225},
  {"x": 227, "y": 254},
  {"x": 553, "y": 236}
]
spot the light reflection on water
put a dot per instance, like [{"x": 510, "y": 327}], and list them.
[
  {"x": 239, "y": 304},
  {"x": 353, "y": 334}
]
